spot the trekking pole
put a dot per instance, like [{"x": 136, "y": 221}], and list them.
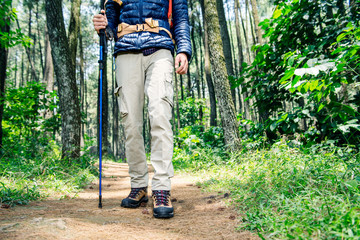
[{"x": 101, "y": 68}]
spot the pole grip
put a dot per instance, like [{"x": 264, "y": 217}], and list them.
[{"x": 100, "y": 201}]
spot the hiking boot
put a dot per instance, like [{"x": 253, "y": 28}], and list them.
[
  {"x": 162, "y": 204},
  {"x": 135, "y": 198}
]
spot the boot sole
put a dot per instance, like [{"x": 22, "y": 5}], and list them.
[
  {"x": 143, "y": 200},
  {"x": 164, "y": 215}
]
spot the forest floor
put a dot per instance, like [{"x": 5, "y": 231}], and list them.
[{"x": 198, "y": 215}]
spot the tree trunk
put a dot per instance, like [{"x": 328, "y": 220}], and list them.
[
  {"x": 74, "y": 29},
  {"x": 82, "y": 85},
  {"x": 256, "y": 21},
  {"x": 226, "y": 43},
  {"x": 181, "y": 87},
  {"x": 222, "y": 91},
  {"x": 3, "y": 63},
  {"x": 49, "y": 69},
  {"x": 177, "y": 105},
  {"x": 28, "y": 54},
  {"x": 39, "y": 39},
  {"x": 65, "y": 76},
  {"x": 238, "y": 35},
  {"x": 250, "y": 21},
  {"x": 210, "y": 84},
  {"x": 245, "y": 36}
]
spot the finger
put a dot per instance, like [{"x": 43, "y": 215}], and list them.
[
  {"x": 186, "y": 67},
  {"x": 180, "y": 69},
  {"x": 177, "y": 60}
]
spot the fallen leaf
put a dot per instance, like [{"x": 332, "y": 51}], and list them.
[
  {"x": 145, "y": 211},
  {"x": 226, "y": 195},
  {"x": 221, "y": 208},
  {"x": 208, "y": 202},
  {"x": 174, "y": 200},
  {"x": 91, "y": 187},
  {"x": 232, "y": 217},
  {"x": 189, "y": 185}
]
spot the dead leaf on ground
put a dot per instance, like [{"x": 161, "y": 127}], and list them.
[
  {"x": 221, "y": 208},
  {"x": 189, "y": 185},
  {"x": 91, "y": 187},
  {"x": 145, "y": 211},
  {"x": 208, "y": 202},
  {"x": 232, "y": 217},
  {"x": 174, "y": 200},
  {"x": 226, "y": 195}
]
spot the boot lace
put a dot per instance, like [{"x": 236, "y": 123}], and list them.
[
  {"x": 161, "y": 197},
  {"x": 135, "y": 191}
]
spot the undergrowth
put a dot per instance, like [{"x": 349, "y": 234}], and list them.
[
  {"x": 24, "y": 178},
  {"x": 284, "y": 192}
]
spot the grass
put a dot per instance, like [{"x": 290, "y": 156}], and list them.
[
  {"x": 24, "y": 179},
  {"x": 285, "y": 193}
]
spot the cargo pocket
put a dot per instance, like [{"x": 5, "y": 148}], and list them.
[
  {"x": 121, "y": 100},
  {"x": 169, "y": 91}
]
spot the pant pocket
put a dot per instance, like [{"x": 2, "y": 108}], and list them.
[
  {"x": 122, "y": 102},
  {"x": 169, "y": 91}
]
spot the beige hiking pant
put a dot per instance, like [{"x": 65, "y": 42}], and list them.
[{"x": 138, "y": 75}]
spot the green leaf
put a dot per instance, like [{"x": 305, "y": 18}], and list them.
[
  {"x": 288, "y": 74},
  {"x": 341, "y": 36},
  {"x": 313, "y": 85},
  {"x": 322, "y": 105},
  {"x": 276, "y": 14}
]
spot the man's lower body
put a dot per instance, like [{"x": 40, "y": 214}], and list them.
[{"x": 151, "y": 76}]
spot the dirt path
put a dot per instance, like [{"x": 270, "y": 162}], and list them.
[{"x": 197, "y": 215}]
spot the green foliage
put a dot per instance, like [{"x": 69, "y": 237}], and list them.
[
  {"x": 285, "y": 193},
  {"x": 189, "y": 109},
  {"x": 24, "y": 123},
  {"x": 314, "y": 66},
  {"x": 192, "y": 137},
  {"x": 31, "y": 165},
  {"x": 24, "y": 179},
  {"x": 10, "y": 38}
]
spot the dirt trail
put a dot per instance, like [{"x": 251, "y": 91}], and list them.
[{"x": 198, "y": 215}]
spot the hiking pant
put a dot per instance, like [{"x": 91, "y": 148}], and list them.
[{"x": 139, "y": 76}]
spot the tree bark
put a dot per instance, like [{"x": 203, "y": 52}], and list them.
[
  {"x": 39, "y": 39},
  {"x": 3, "y": 63},
  {"x": 238, "y": 35},
  {"x": 222, "y": 91},
  {"x": 74, "y": 29},
  {"x": 245, "y": 36},
  {"x": 224, "y": 32},
  {"x": 82, "y": 85},
  {"x": 256, "y": 21},
  {"x": 209, "y": 81},
  {"x": 65, "y": 77},
  {"x": 49, "y": 69}
]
